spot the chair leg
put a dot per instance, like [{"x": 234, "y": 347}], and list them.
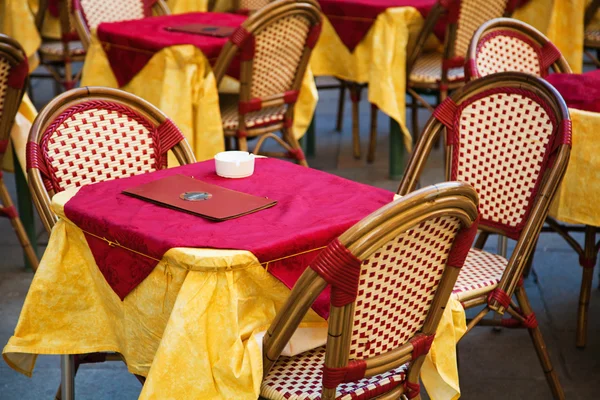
[
  {"x": 540, "y": 347},
  {"x": 373, "y": 135},
  {"x": 297, "y": 151},
  {"x": 529, "y": 264},
  {"x": 341, "y": 104},
  {"x": 414, "y": 108},
  {"x": 588, "y": 263},
  {"x": 242, "y": 144},
  {"x": 8, "y": 209},
  {"x": 355, "y": 90}
]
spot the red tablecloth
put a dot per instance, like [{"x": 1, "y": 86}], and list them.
[
  {"x": 313, "y": 208},
  {"x": 129, "y": 45},
  {"x": 580, "y": 91}
]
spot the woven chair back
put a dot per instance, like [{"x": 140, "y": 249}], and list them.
[
  {"x": 273, "y": 47},
  {"x": 391, "y": 275},
  {"x": 91, "y": 135},
  {"x": 505, "y": 44},
  {"x": 252, "y": 5},
  {"x": 14, "y": 73}
]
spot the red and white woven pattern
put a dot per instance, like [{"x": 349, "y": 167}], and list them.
[
  {"x": 592, "y": 36},
  {"x": 503, "y": 139},
  {"x": 4, "y": 70},
  {"x": 473, "y": 13},
  {"x": 396, "y": 287},
  {"x": 57, "y": 49},
  {"x": 480, "y": 274},
  {"x": 507, "y": 52},
  {"x": 98, "y": 11},
  {"x": 98, "y": 145},
  {"x": 300, "y": 377},
  {"x": 278, "y": 51},
  {"x": 428, "y": 69},
  {"x": 254, "y": 119}
]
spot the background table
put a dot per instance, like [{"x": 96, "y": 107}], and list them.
[{"x": 17, "y": 21}]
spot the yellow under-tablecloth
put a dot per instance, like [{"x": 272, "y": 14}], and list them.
[
  {"x": 179, "y": 81},
  {"x": 190, "y": 326},
  {"x": 185, "y": 6},
  {"x": 19, "y": 134},
  {"x": 17, "y": 21},
  {"x": 576, "y": 199}
]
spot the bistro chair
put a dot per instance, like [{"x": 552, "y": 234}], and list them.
[
  {"x": 95, "y": 134},
  {"x": 506, "y": 44},
  {"x": 58, "y": 56},
  {"x": 591, "y": 34},
  {"x": 438, "y": 73},
  {"x": 509, "y": 136},
  {"x": 88, "y": 14},
  {"x": 248, "y": 7},
  {"x": 14, "y": 72},
  {"x": 391, "y": 275},
  {"x": 273, "y": 48}
]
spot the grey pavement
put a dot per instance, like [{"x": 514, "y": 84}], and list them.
[{"x": 493, "y": 365}]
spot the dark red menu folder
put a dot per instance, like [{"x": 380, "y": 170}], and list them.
[
  {"x": 199, "y": 198},
  {"x": 204, "y": 29}
]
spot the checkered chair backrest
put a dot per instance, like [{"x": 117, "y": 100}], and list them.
[
  {"x": 14, "y": 72},
  {"x": 252, "y": 5},
  {"x": 504, "y": 44},
  {"x": 96, "y": 12},
  {"x": 98, "y": 139}
]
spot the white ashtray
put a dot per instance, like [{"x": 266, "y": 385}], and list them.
[{"x": 234, "y": 164}]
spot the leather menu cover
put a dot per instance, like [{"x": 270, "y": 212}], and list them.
[
  {"x": 204, "y": 29},
  {"x": 204, "y": 199}
]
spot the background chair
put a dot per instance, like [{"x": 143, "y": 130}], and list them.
[
  {"x": 509, "y": 136},
  {"x": 391, "y": 275},
  {"x": 505, "y": 44},
  {"x": 592, "y": 34},
  {"x": 273, "y": 47},
  {"x": 88, "y": 14},
  {"x": 95, "y": 134},
  {"x": 13, "y": 81}
]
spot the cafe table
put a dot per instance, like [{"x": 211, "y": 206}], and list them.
[
  {"x": 184, "y": 300},
  {"x": 367, "y": 42},
  {"x": 172, "y": 70}
]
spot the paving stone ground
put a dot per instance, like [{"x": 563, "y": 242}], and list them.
[{"x": 493, "y": 365}]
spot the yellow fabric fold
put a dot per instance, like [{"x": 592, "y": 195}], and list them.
[
  {"x": 179, "y": 81},
  {"x": 19, "y": 134},
  {"x": 573, "y": 202},
  {"x": 17, "y": 21}
]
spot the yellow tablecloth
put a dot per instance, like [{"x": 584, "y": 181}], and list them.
[
  {"x": 19, "y": 134},
  {"x": 184, "y": 6},
  {"x": 179, "y": 81},
  {"x": 189, "y": 327},
  {"x": 17, "y": 21},
  {"x": 577, "y": 198}
]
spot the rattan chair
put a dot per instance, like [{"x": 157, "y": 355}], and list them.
[
  {"x": 13, "y": 81},
  {"x": 591, "y": 34},
  {"x": 437, "y": 73},
  {"x": 509, "y": 136},
  {"x": 506, "y": 44},
  {"x": 88, "y": 14},
  {"x": 248, "y": 7},
  {"x": 273, "y": 47},
  {"x": 391, "y": 275},
  {"x": 58, "y": 56}
]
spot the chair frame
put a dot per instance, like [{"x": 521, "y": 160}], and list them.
[
  {"x": 13, "y": 53},
  {"x": 237, "y": 45},
  {"x": 511, "y": 281},
  {"x": 362, "y": 240},
  {"x": 159, "y": 8},
  {"x": 590, "y": 12},
  {"x": 510, "y": 25}
]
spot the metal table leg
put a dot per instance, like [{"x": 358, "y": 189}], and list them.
[{"x": 67, "y": 376}]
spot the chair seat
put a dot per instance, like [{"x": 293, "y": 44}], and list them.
[
  {"x": 428, "y": 69},
  {"x": 480, "y": 274},
  {"x": 255, "y": 119},
  {"x": 299, "y": 378},
  {"x": 55, "y": 49},
  {"x": 592, "y": 37}
]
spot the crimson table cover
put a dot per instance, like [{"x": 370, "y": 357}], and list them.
[
  {"x": 580, "y": 91},
  {"x": 129, "y": 45},
  {"x": 313, "y": 208}
]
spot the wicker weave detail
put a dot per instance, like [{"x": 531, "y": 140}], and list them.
[
  {"x": 299, "y": 378},
  {"x": 56, "y": 49},
  {"x": 4, "y": 70},
  {"x": 507, "y": 52},
  {"x": 278, "y": 51},
  {"x": 253, "y": 5},
  {"x": 503, "y": 138},
  {"x": 592, "y": 37},
  {"x": 97, "y": 144},
  {"x": 428, "y": 69},
  {"x": 397, "y": 285},
  {"x": 480, "y": 274},
  {"x": 96, "y": 12},
  {"x": 266, "y": 116},
  {"x": 473, "y": 13}
]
